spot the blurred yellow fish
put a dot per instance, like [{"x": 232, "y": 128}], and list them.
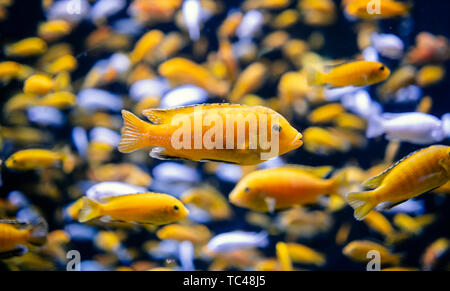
[
  {"x": 357, "y": 250},
  {"x": 278, "y": 188},
  {"x": 31, "y": 159},
  {"x": 27, "y": 47}
]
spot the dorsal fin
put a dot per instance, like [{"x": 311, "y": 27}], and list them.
[
  {"x": 376, "y": 181},
  {"x": 112, "y": 197},
  {"x": 160, "y": 116}
]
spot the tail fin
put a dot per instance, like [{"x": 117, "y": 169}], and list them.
[
  {"x": 89, "y": 210},
  {"x": 375, "y": 127},
  {"x": 361, "y": 202},
  {"x": 133, "y": 133},
  {"x": 38, "y": 232},
  {"x": 314, "y": 77}
]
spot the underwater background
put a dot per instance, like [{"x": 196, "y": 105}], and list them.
[{"x": 340, "y": 42}]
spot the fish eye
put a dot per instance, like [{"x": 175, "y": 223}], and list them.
[
  {"x": 381, "y": 68},
  {"x": 276, "y": 127},
  {"x": 247, "y": 189},
  {"x": 175, "y": 207}
]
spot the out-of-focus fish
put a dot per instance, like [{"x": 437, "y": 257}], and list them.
[
  {"x": 305, "y": 255},
  {"x": 146, "y": 208},
  {"x": 137, "y": 134},
  {"x": 209, "y": 199},
  {"x": 322, "y": 141},
  {"x": 197, "y": 234},
  {"x": 413, "y": 225},
  {"x": 430, "y": 75},
  {"x": 365, "y": 9},
  {"x": 434, "y": 252},
  {"x": 31, "y": 159},
  {"x": 413, "y": 127},
  {"x": 388, "y": 45},
  {"x": 283, "y": 256},
  {"x": 181, "y": 71},
  {"x": 32, "y": 46},
  {"x": 237, "y": 240},
  {"x": 250, "y": 80},
  {"x": 415, "y": 174},
  {"x": 14, "y": 235},
  {"x": 272, "y": 189},
  {"x": 358, "y": 250}
]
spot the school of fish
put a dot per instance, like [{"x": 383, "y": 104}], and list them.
[{"x": 223, "y": 135}]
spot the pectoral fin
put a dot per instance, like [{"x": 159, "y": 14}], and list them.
[{"x": 160, "y": 154}]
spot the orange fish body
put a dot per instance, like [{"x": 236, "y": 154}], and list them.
[
  {"x": 415, "y": 174},
  {"x": 359, "y": 73},
  {"x": 272, "y": 189},
  {"x": 14, "y": 234},
  {"x": 184, "y": 71},
  {"x": 184, "y": 133},
  {"x": 387, "y": 9}
]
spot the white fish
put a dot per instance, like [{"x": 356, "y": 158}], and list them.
[
  {"x": 192, "y": 16},
  {"x": 184, "y": 95},
  {"x": 127, "y": 26},
  {"x": 250, "y": 25},
  {"x": 18, "y": 199},
  {"x": 119, "y": 62},
  {"x": 105, "y": 8},
  {"x": 80, "y": 140},
  {"x": 186, "y": 249},
  {"x": 229, "y": 173},
  {"x": 370, "y": 54},
  {"x": 410, "y": 93},
  {"x": 105, "y": 135},
  {"x": 446, "y": 124},
  {"x": 70, "y": 10},
  {"x": 361, "y": 104},
  {"x": 335, "y": 94},
  {"x": 388, "y": 45},
  {"x": 109, "y": 189},
  {"x": 237, "y": 240},
  {"x": 413, "y": 127},
  {"x": 149, "y": 87},
  {"x": 80, "y": 232},
  {"x": 171, "y": 172},
  {"x": 46, "y": 116},
  {"x": 97, "y": 99}
]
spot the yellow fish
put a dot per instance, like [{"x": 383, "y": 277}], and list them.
[
  {"x": 197, "y": 234},
  {"x": 146, "y": 45},
  {"x": 31, "y": 159},
  {"x": 358, "y": 73},
  {"x": 209, "y": 199},
  {"x": 357, "y": 250},
  {"x": 14, "y": 234},
  {"x": 39, "y": 84},
  {"x": 272, "y": 189},
  {"x": 387, "y": 9},
  {"x": 27, "y": 47},
  {"x": 305, "y": 255},
  {"x": 224, "y": 141},
  {"x": 250, "y": 80},
  {"x": 183, "y": 71},
  {"x": 415, "y": 174},
  {"x": 146, "y": 208}
]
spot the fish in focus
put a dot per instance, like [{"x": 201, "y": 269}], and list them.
[
  {"x": 245, "y": 150},
  {"x": 415, "y": 174}
]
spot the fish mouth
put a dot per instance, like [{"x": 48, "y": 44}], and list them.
[{"x": 297, "y": 140}]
